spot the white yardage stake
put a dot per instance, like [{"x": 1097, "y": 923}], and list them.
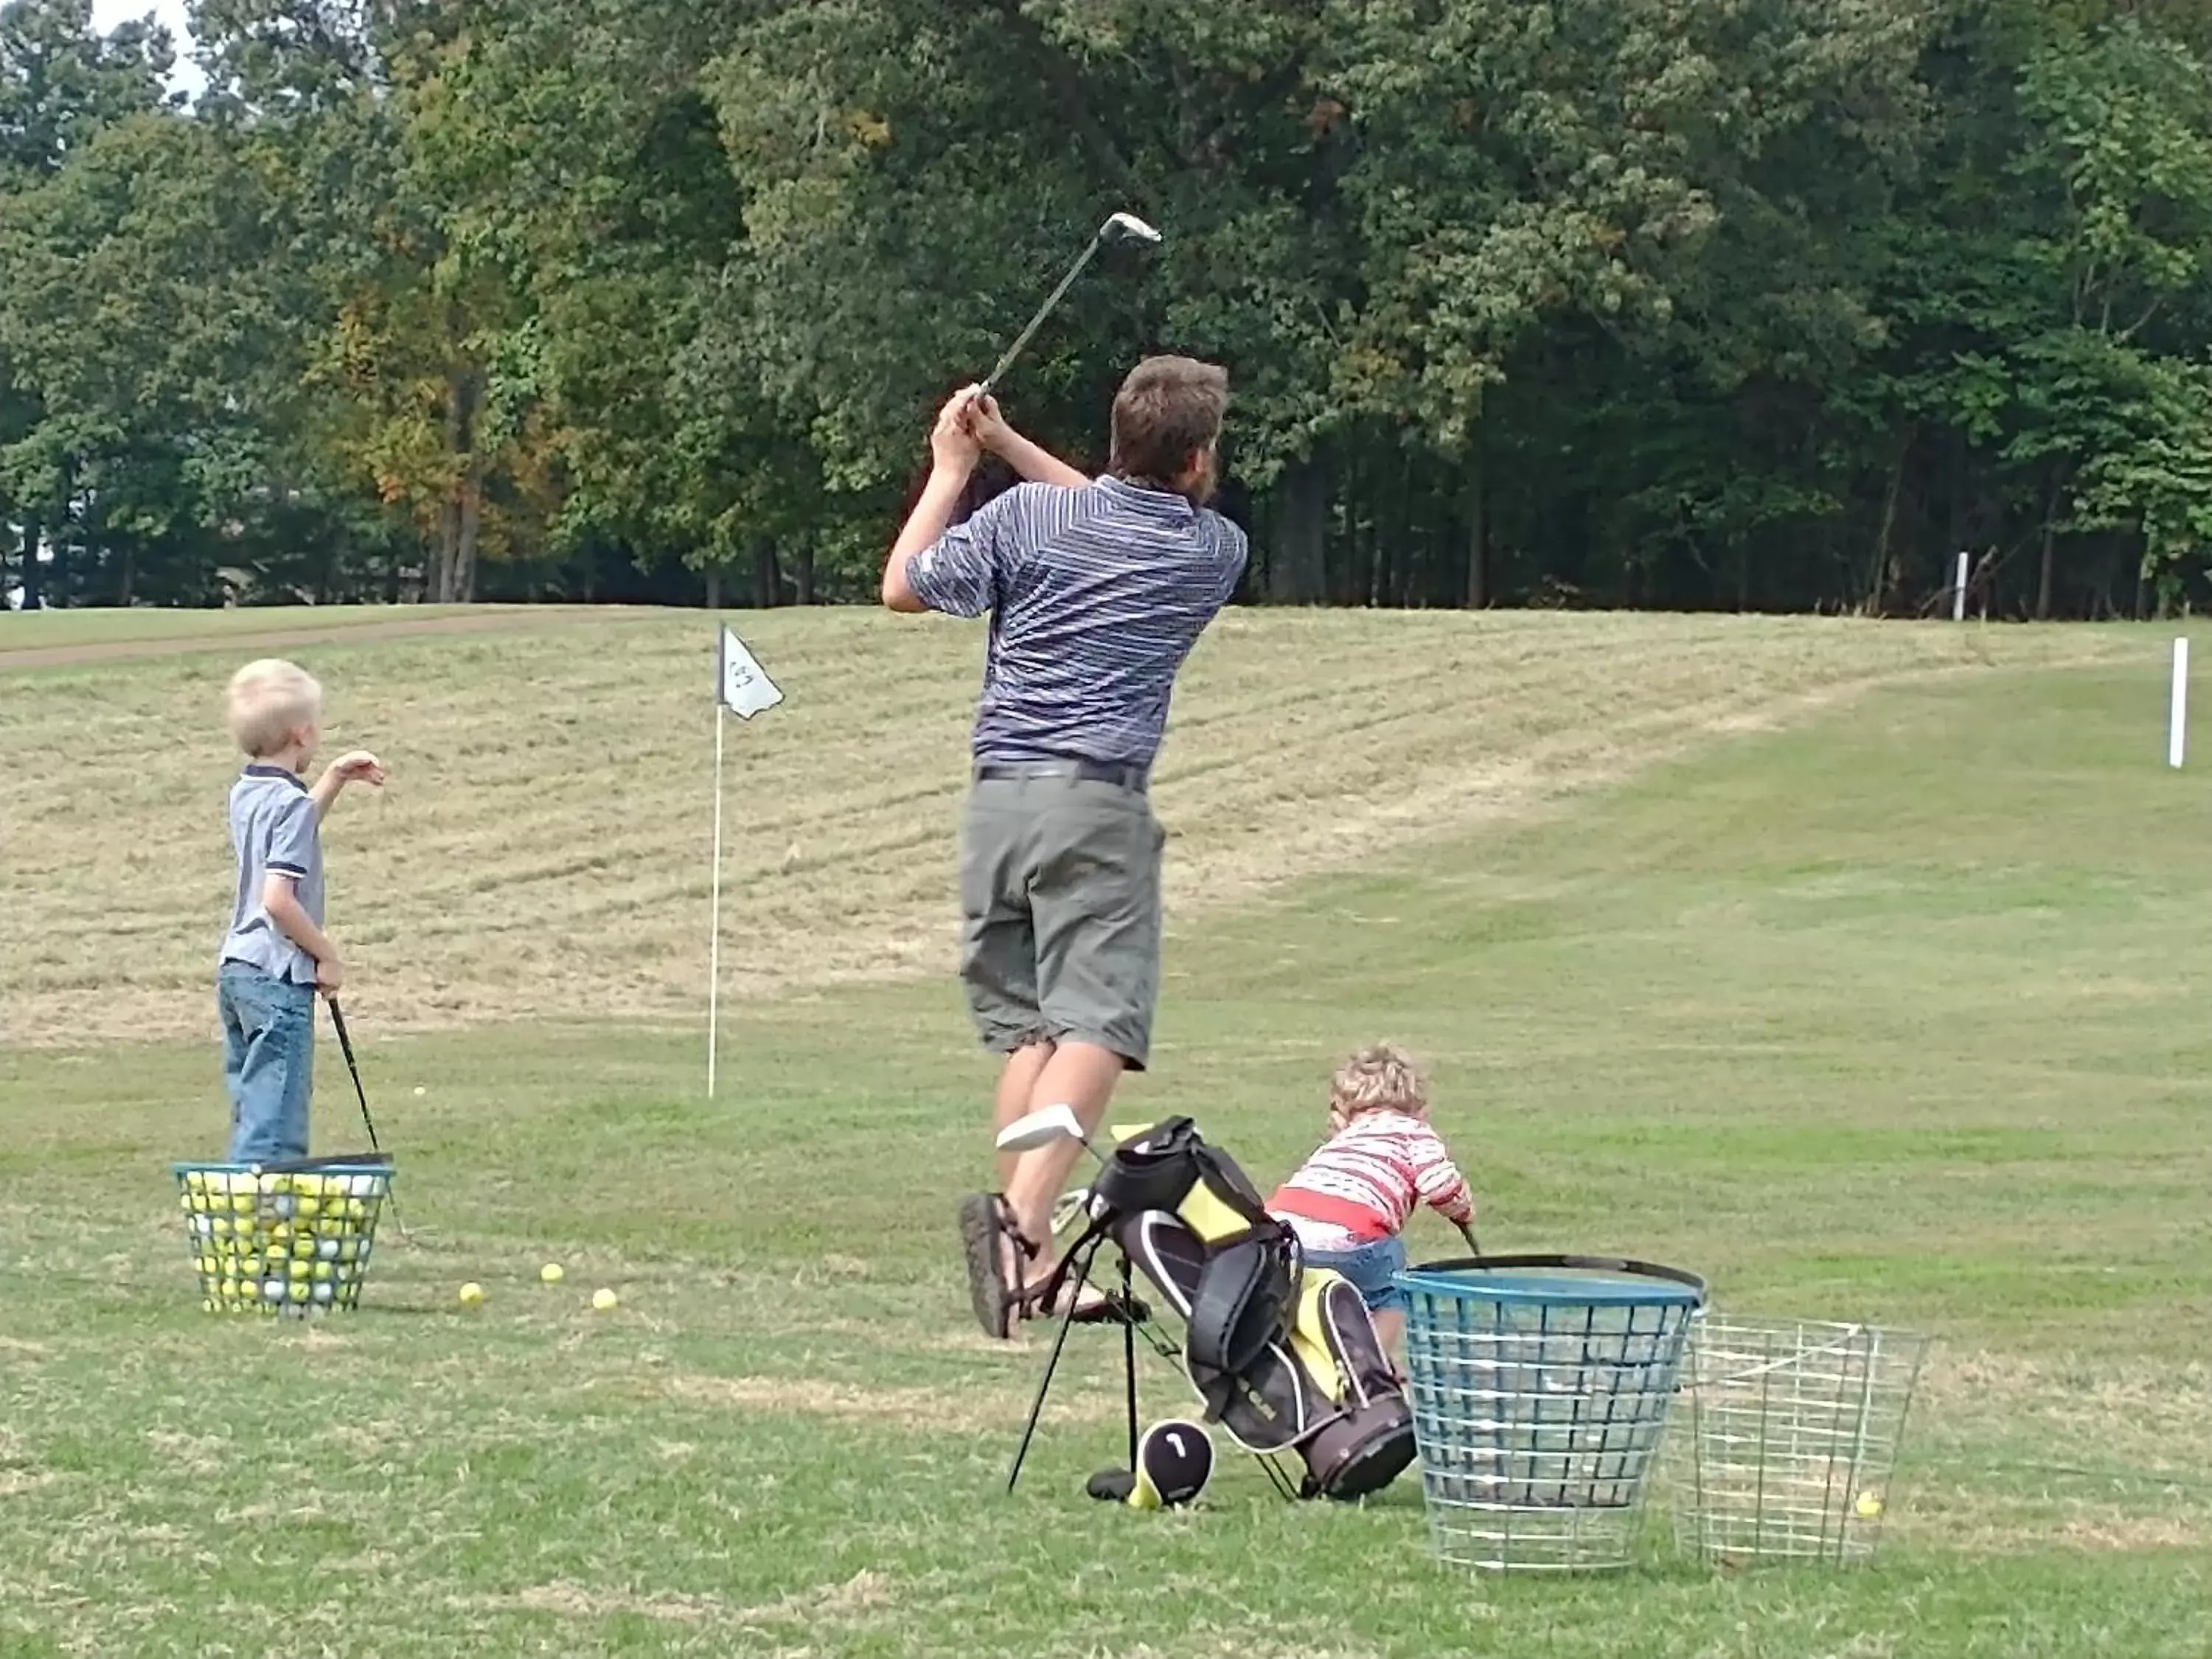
[
  {"x": 2177, "y": 718},
  {"x": 1959, "y": 592},
  {"x": 742, "y": 688}
]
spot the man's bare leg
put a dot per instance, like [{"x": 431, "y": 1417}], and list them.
[
  {"x": 1078, "y": 1074},
  {"x": 1017, "y": 1084}
]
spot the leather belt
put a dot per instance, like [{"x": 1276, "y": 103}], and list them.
[{"x": 1135, "y": 779}]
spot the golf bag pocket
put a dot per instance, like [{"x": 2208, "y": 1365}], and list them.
[{"x": 1368, "y": 1440}]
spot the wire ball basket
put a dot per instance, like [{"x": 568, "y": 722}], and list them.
[
  {"x": 1795, "y": 1431},
  {"x": 290, "y": 1240},
  {"x": 1540, "y": 1388}
]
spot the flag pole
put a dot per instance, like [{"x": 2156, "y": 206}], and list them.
[
  {"x": 715, "y": 906},
  {"x": 742, "y": 687}
]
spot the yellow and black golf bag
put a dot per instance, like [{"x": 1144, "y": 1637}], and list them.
[{"x": 1285, "y": 1356}]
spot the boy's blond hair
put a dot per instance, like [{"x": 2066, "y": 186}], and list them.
[
  {"x": 1379, "y": 1078},
  {"x": 268, "y": 701}
]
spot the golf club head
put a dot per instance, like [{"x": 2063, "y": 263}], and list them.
[
  {"x": 1070, "y": 1208},
  {"x": 1128, "y": 227},
  {"x": 1041, "y": 1128}
]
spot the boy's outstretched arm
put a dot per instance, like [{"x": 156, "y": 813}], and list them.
[{"x": 345, "y": 769}]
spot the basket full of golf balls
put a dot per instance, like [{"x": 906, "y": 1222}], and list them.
[{"x": 289, "y": 1240}]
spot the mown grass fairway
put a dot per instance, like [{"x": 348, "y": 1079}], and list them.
[{"x": 1894, "y": 1012}]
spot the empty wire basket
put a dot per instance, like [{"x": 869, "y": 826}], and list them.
[
  {"x": 1540, "y": 1388},
  {"x": 1796, "y": 1425}
]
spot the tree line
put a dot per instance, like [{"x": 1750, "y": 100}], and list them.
[{"x": 1758, "y": 304}]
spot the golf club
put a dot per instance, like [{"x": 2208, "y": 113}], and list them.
[
  {"x": 345, "y": 1047},
  {"x": 1069, "y": 1208},
  {"x": 1044, "y": 1126},
  {"x": 1121, "y": 228}
]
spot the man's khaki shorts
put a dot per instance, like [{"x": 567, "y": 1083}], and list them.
[{"x": 1060, "y": 893}]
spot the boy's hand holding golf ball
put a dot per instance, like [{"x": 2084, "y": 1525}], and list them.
[{"x": 358, "y": 767}]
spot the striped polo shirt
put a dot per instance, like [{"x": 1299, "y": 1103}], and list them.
[
  {"x": 1095, "y": 595},
  {"x": 1364, "y": 1181}
]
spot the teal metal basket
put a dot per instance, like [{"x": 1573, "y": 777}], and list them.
[
  {"x": 1541, "y": 1386},
  {"x": 289, "y": 1240}
]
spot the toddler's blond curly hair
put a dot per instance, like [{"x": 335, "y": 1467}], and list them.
[{"x": 1379, "y": 1078}]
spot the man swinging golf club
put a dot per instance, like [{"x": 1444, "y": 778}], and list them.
[{"x": 1097, "y": 590}]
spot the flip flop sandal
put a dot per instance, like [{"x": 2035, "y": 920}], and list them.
[
  {"x": 986, "y": 1225},
  {"x": 986, "y": 1228},
  {"x": 981, "y": 1238}
]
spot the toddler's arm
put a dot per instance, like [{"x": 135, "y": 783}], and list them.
[{"x": 1441, "y": 1186}]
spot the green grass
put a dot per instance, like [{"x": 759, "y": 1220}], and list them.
[{"x": 1897, "y": 1015}]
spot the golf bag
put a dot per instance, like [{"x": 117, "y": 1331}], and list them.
[{"x": 1285, "y": 1357}]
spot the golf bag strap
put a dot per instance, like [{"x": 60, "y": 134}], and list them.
[{"x": 1234, "y": 1192}]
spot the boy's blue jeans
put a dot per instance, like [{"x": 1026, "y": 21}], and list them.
[
  {"x": 268, "y": 1062},
  {"x": 1369, "y": 1269}
]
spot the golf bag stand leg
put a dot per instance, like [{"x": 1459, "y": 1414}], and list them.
[
  {"x": 1076, "y": 1276},
  {"x": 1079, "y": 1272},
  {"x": 1130, "y": 1354}
]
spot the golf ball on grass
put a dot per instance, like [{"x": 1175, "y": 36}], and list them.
[
  {"x": 472, "y": 1294},
  {"x": 551, "y": 1273},
  {"x": 604, "y": 1300},
  {"x": 1869, "y": 1505}
]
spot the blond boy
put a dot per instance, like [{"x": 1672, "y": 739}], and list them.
[{"x": 275, "y": 956}]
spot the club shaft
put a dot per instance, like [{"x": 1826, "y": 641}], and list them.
[
  {"x": 353, "y": 1070},
  {"x": 345, "y": 1047},
  {"x": 1021, "y": 340}
]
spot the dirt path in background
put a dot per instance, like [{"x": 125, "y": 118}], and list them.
[{"x": 489, "y": 620}]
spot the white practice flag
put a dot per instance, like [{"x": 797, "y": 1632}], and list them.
[{"x": 741, "y": 682}]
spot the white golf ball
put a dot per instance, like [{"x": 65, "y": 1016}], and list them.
[{"x": 419, "y": 1089}]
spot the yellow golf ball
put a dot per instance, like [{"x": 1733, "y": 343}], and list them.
[
  {"x": 1869, "y": 1505},
  {"x": 604, "y": 1300},
  {"x": 472, "y": 1294},
  {"x": 551, "y": 1273}
]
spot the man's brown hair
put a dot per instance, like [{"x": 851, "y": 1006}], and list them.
[{"x": 1168, "y": 408}]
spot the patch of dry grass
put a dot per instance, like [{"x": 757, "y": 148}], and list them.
[
  {"x": 967, "y": 1410},
  {"x": 542, "y": 851}
]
